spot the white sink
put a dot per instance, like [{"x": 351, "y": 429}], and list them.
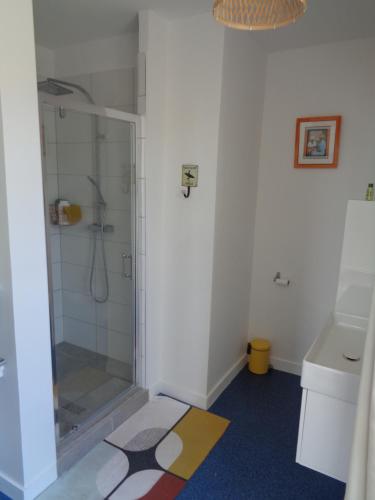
[
  {"x": 326, "y": 368},
  {"x": 332, "y": 368},
  {"x": 330, "y": 384}
]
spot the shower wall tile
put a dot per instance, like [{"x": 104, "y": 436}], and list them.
[
  {"x": 76, "y": 250},
  {"x": 120, "y": 289},
  {"x": 117, "y": 192},
  {"x": 121, "y": 221},
  {"x": 59, "y": 332},
  {"x": 113, "y": 316},
  {"x": 75, "y": 127},
  {"x": 86, "y": 323},
  {"x": 128, "y": 108},
  {"x": 114, "y": 88},
  {"x": 51, "y": 158},
  {"x": 57, "y": 304},
  {"x": 115, "y": 345},
  {"x": 116, "y": 158},
  {"x": 52, "y": 191},
  {"x": 115, "y": 130},
  {"x": 75, "y": 278},
  {"x": 75, "y": 159},
  {"x": 79, "y": 306},
  {"x": 52, "y": 229},
  {"x": 79, "y": 333},
  {"x": 76, "y": 189},
  {"x": 55, "y": 249},
  {"x": 82, "y": 80},
  {"x": 56, "y": 276},
  {"x": 49, "y": 126},
  {"x": 114, "y": 253}
]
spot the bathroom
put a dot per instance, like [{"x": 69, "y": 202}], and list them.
[{"x": 141, "y": 289}]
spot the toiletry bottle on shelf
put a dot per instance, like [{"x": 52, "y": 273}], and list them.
[
  {"x": 62, "y": 218},
  {"x": 370, "y": 193}
]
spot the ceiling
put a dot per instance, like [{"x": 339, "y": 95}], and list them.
[
  {"x": 325, "y": 21},
  {"x": 67, "y": 22}
]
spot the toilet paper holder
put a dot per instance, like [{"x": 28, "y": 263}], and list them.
[{"x": 278, "y": 280}]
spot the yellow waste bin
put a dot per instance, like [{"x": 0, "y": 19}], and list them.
[{"x": 259, "y": 356}]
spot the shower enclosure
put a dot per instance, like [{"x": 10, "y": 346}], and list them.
[{"x": 89, "y": 168}]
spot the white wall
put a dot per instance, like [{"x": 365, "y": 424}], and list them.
[
  {"x": 204, "y": 99},
  {"x": 10, "y": 464},
  {"x": 239, "y": 141},
  {"x": 301, "y": 213},
  {"x": 195, "y": 60},
  {"x": 27, "y": 440},
  {"x": 153, "y": 43}
]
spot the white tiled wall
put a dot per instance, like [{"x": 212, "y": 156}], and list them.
[
  {"x": 113, "y": 89},
  {"x": 104, "y": 328},
  {"x": 53, "y": 232}
]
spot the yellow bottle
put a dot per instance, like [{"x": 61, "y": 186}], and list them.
[{"x": 370, "y": 193}]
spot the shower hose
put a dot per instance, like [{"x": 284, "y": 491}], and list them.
[{"x": 99, "y": 240}]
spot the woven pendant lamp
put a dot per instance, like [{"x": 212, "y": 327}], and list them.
[{"x": 258, "y": 14}]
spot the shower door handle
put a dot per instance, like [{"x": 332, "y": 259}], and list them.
[{"x": 127, "y": 258}]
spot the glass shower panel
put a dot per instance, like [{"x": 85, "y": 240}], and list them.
[{"x": 89, "y": 193}]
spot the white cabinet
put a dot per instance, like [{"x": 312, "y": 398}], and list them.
[{"x": 326, "y": 434}]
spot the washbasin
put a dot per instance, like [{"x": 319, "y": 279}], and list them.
[
  {"x": 333, "y": 364},
  {"x": 331, "y": 369}
]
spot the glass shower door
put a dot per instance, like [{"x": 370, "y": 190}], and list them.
[{"x": 89, "y": 192}]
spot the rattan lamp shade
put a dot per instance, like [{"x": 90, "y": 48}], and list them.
[{"x": 258, "y": 14}]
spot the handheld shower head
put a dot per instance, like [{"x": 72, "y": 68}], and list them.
[{"x": 101, "y": 200}]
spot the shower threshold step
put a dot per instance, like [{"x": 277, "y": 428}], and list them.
[{"x": 80, "y": 441}]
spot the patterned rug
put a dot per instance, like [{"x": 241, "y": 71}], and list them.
[{"x": 149, "y": 457}]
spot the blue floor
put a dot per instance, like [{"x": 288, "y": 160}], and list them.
[{"x": 255, "y": 459}]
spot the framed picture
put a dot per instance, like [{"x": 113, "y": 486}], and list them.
[{"x": 317, "y": 142}]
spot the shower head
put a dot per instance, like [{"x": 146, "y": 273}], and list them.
[
  {"x": 53, "y": 88},
  {"x": 101, "y": 200},
  {"x": 59, "y": 87}
]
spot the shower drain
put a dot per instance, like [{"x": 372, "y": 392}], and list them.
[{"x": 351, "y": 357}]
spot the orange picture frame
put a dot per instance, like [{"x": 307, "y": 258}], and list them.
[{"x": 317, "y": 142}]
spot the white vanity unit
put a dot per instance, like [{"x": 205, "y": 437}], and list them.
[{"x": 331, "y": 369}]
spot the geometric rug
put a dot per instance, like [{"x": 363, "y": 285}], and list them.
[{"x": 149, "y": 457}]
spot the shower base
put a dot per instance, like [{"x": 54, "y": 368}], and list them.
[
  {"x": 95, "y": 395},
  {"x": 87, "y": 381}
]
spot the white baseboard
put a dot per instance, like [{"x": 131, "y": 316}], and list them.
[
  {"x": 200, "y": 400},
  {"x": 180, "y": 393},
  {"x": 16, "y": 491},
  {"x": 225, "y": 380},
  {"x": 11, "y": 488},
  {"x": 285, "y": 365}
]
